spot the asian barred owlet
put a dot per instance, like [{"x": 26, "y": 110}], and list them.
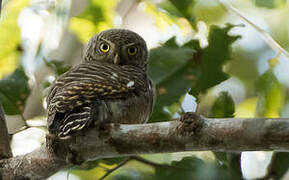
[{"x": 110, "y": 85}]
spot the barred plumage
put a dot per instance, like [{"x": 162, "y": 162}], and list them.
[{"x": 99, "y": 90}]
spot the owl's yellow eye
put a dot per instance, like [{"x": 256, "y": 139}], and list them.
[
  {"x": 104, "y": 47},
  {"x": 132, "y": 51}
]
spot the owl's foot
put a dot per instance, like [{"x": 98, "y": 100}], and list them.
[
  {"x": 59, "y": 147},
  {"x": 73, "y": 158}
]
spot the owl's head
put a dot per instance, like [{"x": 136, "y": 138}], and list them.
[{"x": 117, "y": 46}]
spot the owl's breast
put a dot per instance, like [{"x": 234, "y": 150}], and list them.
[{"x": 132, "y": 110}]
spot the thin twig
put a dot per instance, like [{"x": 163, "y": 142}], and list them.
[
  {"x": 140, "y": 159},
  {"x": 115, "y": 168},
  {"x": 270, "y": 41},
  {"x": 154, "y": 164}
]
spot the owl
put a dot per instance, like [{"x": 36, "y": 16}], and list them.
[{"x": 110, "y": 85}]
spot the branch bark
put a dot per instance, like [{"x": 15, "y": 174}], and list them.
[
  {"x": 5, "y": 150},
  {"x": 190, "y": 133}
]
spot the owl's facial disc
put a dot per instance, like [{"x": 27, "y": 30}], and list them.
[{"x": 119, "y": 47}]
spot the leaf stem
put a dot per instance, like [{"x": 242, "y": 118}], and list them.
[
  {"x": 140, "y": 159},
  {"x": 151, "y": 163},
  {"x": 115, "y": 168}
]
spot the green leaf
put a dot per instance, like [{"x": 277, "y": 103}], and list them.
[
  {"x": 238, "y": 67},
  {"x": 271, "y": 101},
  {"x": 210, "y": 12},
  {"x": 271, "y": 95},
  {"x": 14, "y": 91},
  {"x": 191, "y": 168},
  {"x": 279, "y": 165},
  {"x": 176, "y": 69},
  {"x": 223, "y": 107},
  {"x": 89, "y": 165},
  {"x": 212, "y": 58},
  {"x": 266, "y": 4},
  {"x": 59, "y": 67},
  {"x": 184, "y": 8},
  {"x": 171, "y": 70},
  {"x": 180, "y": 9},
  {"x": 270, "y": 4}
]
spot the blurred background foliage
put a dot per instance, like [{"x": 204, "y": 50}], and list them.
[{"x": 203, "y": 58}]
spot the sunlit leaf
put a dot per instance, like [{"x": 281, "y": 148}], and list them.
[
  {"x": 271, "y": 95},
  {"x": 8, "y": 63},
  {"x": 179, "y": 11},
  {"x": 14, "y": 91},
  {"x": 271, "y": 102},
  {"x": 96, "y": 17},
  {"x": 83, "y": 28},
  {"x": 162, "y": 20},
  {"x": 211, "y": 14},
  {"x": 247, "y": 108},
  {"x": 186, "y": 8},
  {"x": 10, "y": 36},
  {"x": 94, "y": 173}
]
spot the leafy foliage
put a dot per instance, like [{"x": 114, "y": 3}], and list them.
[
  {"x": 269, "y": 3},
  {"x": 188, "y": 66},
  {"x": 10, "y": 36},
  {"x": 279, "y": 165},
  {"x": 170, "y": 67},
  {"x": 59, "y": 67},
  {"x": 96, "y": 17},
  {"x": 14, "y": 91},
  {"x": 224, "y": 106},
  {"x": 271, "y": 99},
  {"x": 183, "y": 8},
  {"x": 192, "y": 168},
  {"x": 271, "y": 95},
  {"x": 212, "y": 58}
]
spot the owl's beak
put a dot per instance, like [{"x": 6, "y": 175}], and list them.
[{"x": 116, "y": 59}]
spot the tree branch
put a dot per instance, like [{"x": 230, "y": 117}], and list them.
[
  {"x": 5, "y": 150},
  {"x": 190, "y": 133}
]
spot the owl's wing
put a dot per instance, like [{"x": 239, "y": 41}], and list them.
[{"x": 71, "y": 97}]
